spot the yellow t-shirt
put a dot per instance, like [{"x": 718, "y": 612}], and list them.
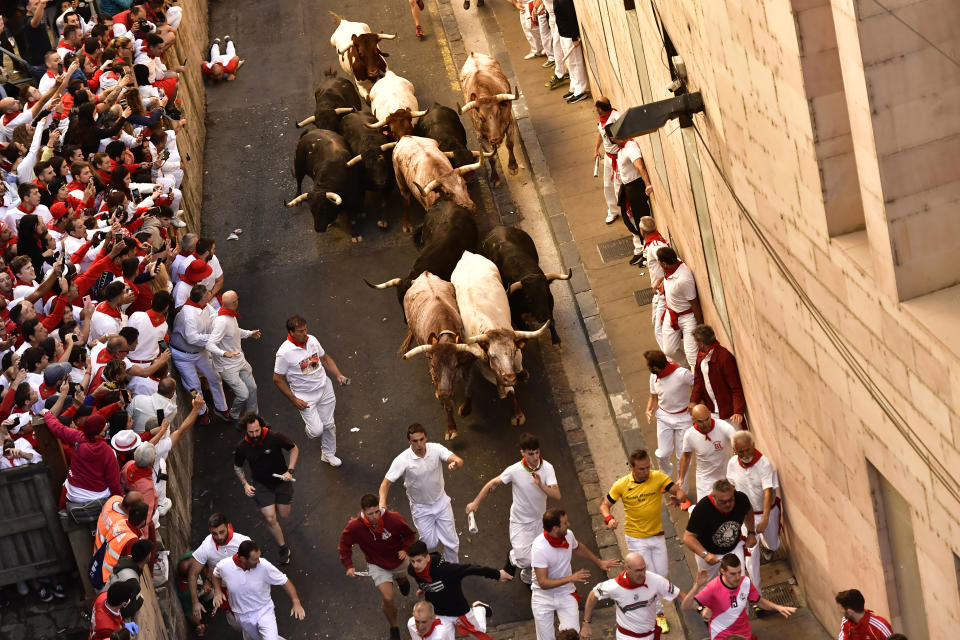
[{"x": 642, "y": 503}]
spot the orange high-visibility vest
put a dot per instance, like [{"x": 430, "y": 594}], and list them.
[
  {"x": 120, "y": 536},
  {"x": 109, "y": 518}
]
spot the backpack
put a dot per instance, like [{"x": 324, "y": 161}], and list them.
[{"x": 95, "y": 569}]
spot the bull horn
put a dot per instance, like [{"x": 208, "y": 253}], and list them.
[
  {"x": 475, "y": 339},
  {"x": 418, "y": 114},
  {"x": 419, "y": 189},
  {"x": 558, "y": 276},
  {"x": 387, "y": 36},
  {"x": 304, "y": 123},
  {"x": 384, "y": 285},
  {"x": 433, "y": 184},
  {"x": 340, "y": 111},
  {"x": 354, "y": 160},
  {"x": 467, "y": 167},
  {"x": 387, "y": 146},
  {"x": 530, "y": 335},
  {"x": 334, "y": 198},
  {"x": 500, "y": 97},
  {"x": 376, "y": 125},
  {"x": 469, "y": 348},
  {"x": 516, "y": 286},
  {"x": 424, "y": 348},
  {"x": 298, "y": 200},
  {"x": 470, "y": 105},
  {"x": 485, "y": 154},
  {"x": 345, "y": 49},
  {"x": 449, "y": 154}
]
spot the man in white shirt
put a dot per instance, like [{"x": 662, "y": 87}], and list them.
[
  {"x": 246, "y": 578},
  {"x": 635, "y": 190},
  {"x": 108, "y": 319},
  {"x": 183, "y": 259},
  {"x": 300, "y": 374},
  {"x": 532, "y": 481},
  {"x": 227, "y": 355},
  {"x": 709, "y": 440},
  {"x": 144, "y": 407},
  {"x": 635, "y": 593},
  {"x": 425, "y": 625},
  {"x": 222, "y": 543},
  {"x": 669, "y": 395},
  {"x": 553, "y": 577},
  {"x": 682, "y": 312},
  {"x": 754, "y": 475},
  {"x": 151, "y": 326},
  {"x": 653, "y": 241},
  {"x": 611, "y": 178},
  {"x": 421, "y": 468}
]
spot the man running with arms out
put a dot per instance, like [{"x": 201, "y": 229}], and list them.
[
  {"x": 272, "y": 487},
  {"x": 554, "y": 578},
  {"x": 722, "y": 603},
  {"x": 641, "y": 491},
  {"x": 532, "y": 481},
  {"x": 421, "y": 467},
  {"x": 384, "y": 537},
  {"x": 634, "y": 591},
  {"x": 248, "y": 578},
  {"x": 220, "y": 544},
  {"x": 440, "y": 583}
]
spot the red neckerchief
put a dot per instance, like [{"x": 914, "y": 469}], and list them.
[
  {"x": 7, "y": 118},
  {"x": 667, "y": 370},
  {"x": 436, "y": 623},
  {"x": 104, "y": 307},
  {"x": 64, "y": 45},
  {"x": 302, "y": 345},
  {"x": 104, "y": 357},
  {"x": 186, "y": 254},
  {"x": 654, "y": 236},
  {"x": 22, "y": 205},
  {"x": 756, "y": 457},
  {"x": 523, "y": 463},
  {"x": 135, "y": 473},
  {"x": 668, "y": 270},
  {"x": 604, "y": 118},
  {"x": 156, "y": 318},
  {"x": 22, "y": 283},
  {"x": 714, "y": 502},
  {"x": 228, "y": 312},
  {"x": 705, "y": 432},
  {"x": 425, "y": 574},
  {"x": 374, "y": 528},
  {"x": 704, "y": 354},
  {"x": 191, "y": 303},
  {"x": 263, "y": 436},
  {"x": 229, "y": 537},
  {"x": 558, "y": 543},
  {"x": 236, "y": 561},
  {"x": 624, "y": 581}
]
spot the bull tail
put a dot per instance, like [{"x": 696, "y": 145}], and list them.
[
  {"x": 418, "y": 237},
  {"x": 405, "y": 345},
  {"x": 335, "y": 18}
]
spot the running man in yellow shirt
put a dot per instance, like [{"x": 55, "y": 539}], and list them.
[{"x": 642, "y": 493}]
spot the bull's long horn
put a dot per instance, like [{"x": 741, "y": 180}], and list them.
[
  {"x": 304, "y": 123},
  {"x": 470, "y": 105},
  {"x": 500, "y": 97},
  {"x": 334, "y": 198},
  {"x": 298, "y": 199},
  {"x": 485, "y": 154},
  {"x": 354, "y": 160},
  {"x": 384, "y": 285},
  {"x": 516, "y": 286},
  {"x": 467, "y": 167},
  {"x": 387, "y": 36},
  {"x": 475, "y": 339},
  {"x": 376, "y": 125},
  {"x": 449, "y": 154},
  {"x": 340, "y": 52},
  {"x": 430, "y": 186},
  {"x": 530, "y": 335},
  {"x": 424, "y": 348},
  {"x": 343, "y": 110},
  {"x": 558, "y": 276},
  {"x": 420, "y": 191},
  {"x": 418, "y": 114},
  {"x": 469, "y": 348},
  {"x": 387, "y": 146}
]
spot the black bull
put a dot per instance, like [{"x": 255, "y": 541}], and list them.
[
  {"x": 323, "y": 155},
  {"x": 335, "y": 96}
]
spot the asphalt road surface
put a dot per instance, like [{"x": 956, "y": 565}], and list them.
[{"x": 280, "y": 267}]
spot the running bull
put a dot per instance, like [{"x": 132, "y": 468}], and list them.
[
  {"x": 394, "y": 105},
  {"x": 488, "y": 100},
  {"x": 443, "y": 125},
  {"x": 359, "y": 51},
  {"x": 372, "y": 153},
  {"x": 335, "y": 96}
]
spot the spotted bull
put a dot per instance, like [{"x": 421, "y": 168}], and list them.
[
  {"x": 488, "y": 101},
  {"x": 335, "y": 96},
  {"x": 358, "y": 50}
]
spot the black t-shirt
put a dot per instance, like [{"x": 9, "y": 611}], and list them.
[
  {"x": 265, "y": 457},
  {"x": 719, "y": 532}
]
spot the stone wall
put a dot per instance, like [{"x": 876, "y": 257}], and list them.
[{"x": 773, "y": 128}]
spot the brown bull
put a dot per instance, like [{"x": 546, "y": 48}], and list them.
[
  {"x": 489, "y": 102},
  {"x": 359, "y": 50}
]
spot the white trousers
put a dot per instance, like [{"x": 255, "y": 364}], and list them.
[
  {"x": 705, "y": 482},
  {"x": 714, "y": 569},
  {"x": 318, "y": 417},
  {"x": 609, "y": 185},
  {"x": 654, "y": 552},
  {"x": 259, "y": 625},
  {"x": 659, "y": 307},
  {"x": 560, "y": 69},
  {"x": 230, "y": 52},
  {"x": 436, "y": 525},
  {"x": 545, "y": 605},
  {"x": 244, "y": 387},
  {"x": 546, "y": 34},
  {"x": 678, "y": 344},
  {"x": 670, "y": 430},
  {"x": 191, "y": 366},
  {"x": 575, "y": 65},
  {"x": 770, "y": 537},
  {"x": 522, "y": 535},
  {"x": 531, "y": 33},
  {"x": 476, "y": 618}
]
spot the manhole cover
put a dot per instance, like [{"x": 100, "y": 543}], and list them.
[
  {"x": 616, "y": 249},
  {"x": 644, "y": 296},
  {"x": 782, "y": 593}
]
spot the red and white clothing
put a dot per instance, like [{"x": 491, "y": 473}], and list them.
[
  {"x": 611, "y": 175},
  {"x": 153, "y": 328},
  {"x": 729, "y": 607},
  {"x": 554, "y": 555},
  {"x": 439, "y": 631},
  {"x": 248, "y": 592},
  {"x": 652, "y": 243},
  {"x": 301, "y": 366},
  {"x": 209, "y": 553},
  {"x": 10, "y": 121},
  {"x": 712, "y": 450},
  {"x": 106, "y": 320},
  {"x": 672, "y": 388},
  {"x": 228, "y": 59},
  {"x": 63, "y": 48},
  {"x": 180, "y": 264},
  {"x": 636, "y": 603},
  {"x": 678, "y": 320},
  {"x": 753, "y": 479},
  {"x": 527, "y": 509},
  {"x": 46, "y": 82},
  {"x": 191, "y": 330},
  {"x": 104, "y": 619},
  {"x": 870, "y": 627}
]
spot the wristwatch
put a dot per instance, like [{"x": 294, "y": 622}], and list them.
[{"x": 704, "y": 554}]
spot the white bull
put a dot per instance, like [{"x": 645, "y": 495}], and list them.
[
  {"x": 394, "y": 105},
  {"x": 358, "y": 51}
]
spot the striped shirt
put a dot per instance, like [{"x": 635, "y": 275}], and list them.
[{"x": 870, "y": 627}]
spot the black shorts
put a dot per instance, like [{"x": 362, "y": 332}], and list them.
[{"x": 265, "y": 496}]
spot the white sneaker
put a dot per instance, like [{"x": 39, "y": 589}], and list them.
[
  {"x": 333, "y": 461},
  {"x": 526, "y": 575},
  {"x": 531, "y": 55},
  {"x": 611, "y": 217}
]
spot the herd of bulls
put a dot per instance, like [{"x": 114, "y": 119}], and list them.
[{"x": 463, "y": 296}]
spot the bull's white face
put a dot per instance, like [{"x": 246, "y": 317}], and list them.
[
  {"x": 501, "y": 357},
  {"x": 454, "y": 188}
]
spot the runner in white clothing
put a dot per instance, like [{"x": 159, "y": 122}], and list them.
[
  {"x": 248, "y": 578},
  {"x": 669, "y": 394},
  {"x": 682, "y": 312},
  {"x": 300, "y": 374},
  {"x": 222, "y": 543},
  {"x": 532, "y": 480},
  {"x": 605, "y": 146},
  {"x": 421, "y": 468},
  {"x": 653, "y": 241},
  {"x": 709, "y": 439},
  {"x": 425, "y": 624}
]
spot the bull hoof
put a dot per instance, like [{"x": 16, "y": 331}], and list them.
[
  {"x": 513, "y": 169},
  {"x": 518, "y": 420},
  {"x": 407, "y": 227},
  {"x": 383, "y": 224},
  {"x": 465, "y": 409},
  {"x": 450, "y": 435},
  {"x": 356, "y": 239}
]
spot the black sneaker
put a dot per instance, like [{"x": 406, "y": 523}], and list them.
[
  {"x": 44, "y": 594},
  {"x": 577, "y": 98},
  {"x": 284, "y": 555},
  {"x": 568, "y": 95},
  {"x": 488, "y": 608},
  {"x": 404, "y": 585},
  {"x": 636, "y": 259},
  {"x": 394, "y": 633},
  {"x": 223, "y": 415},
  {"x": 59, "y": 591}
]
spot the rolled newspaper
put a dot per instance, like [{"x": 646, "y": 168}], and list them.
[
  {"x": 596, "y": 167},
  {"x": 277, "y": 475},
  {"x": 472, "y": 522}
]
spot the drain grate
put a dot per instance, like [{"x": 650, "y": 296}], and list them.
[
  {"x": 616, "y": 249},
  {"x": 782, "y": 593},
  {"x": 644, "y": 296}
]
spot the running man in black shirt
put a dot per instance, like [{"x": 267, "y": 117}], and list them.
[
  {"x": 272, "y": 488},
  {"x": 715, "y": 524}
]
